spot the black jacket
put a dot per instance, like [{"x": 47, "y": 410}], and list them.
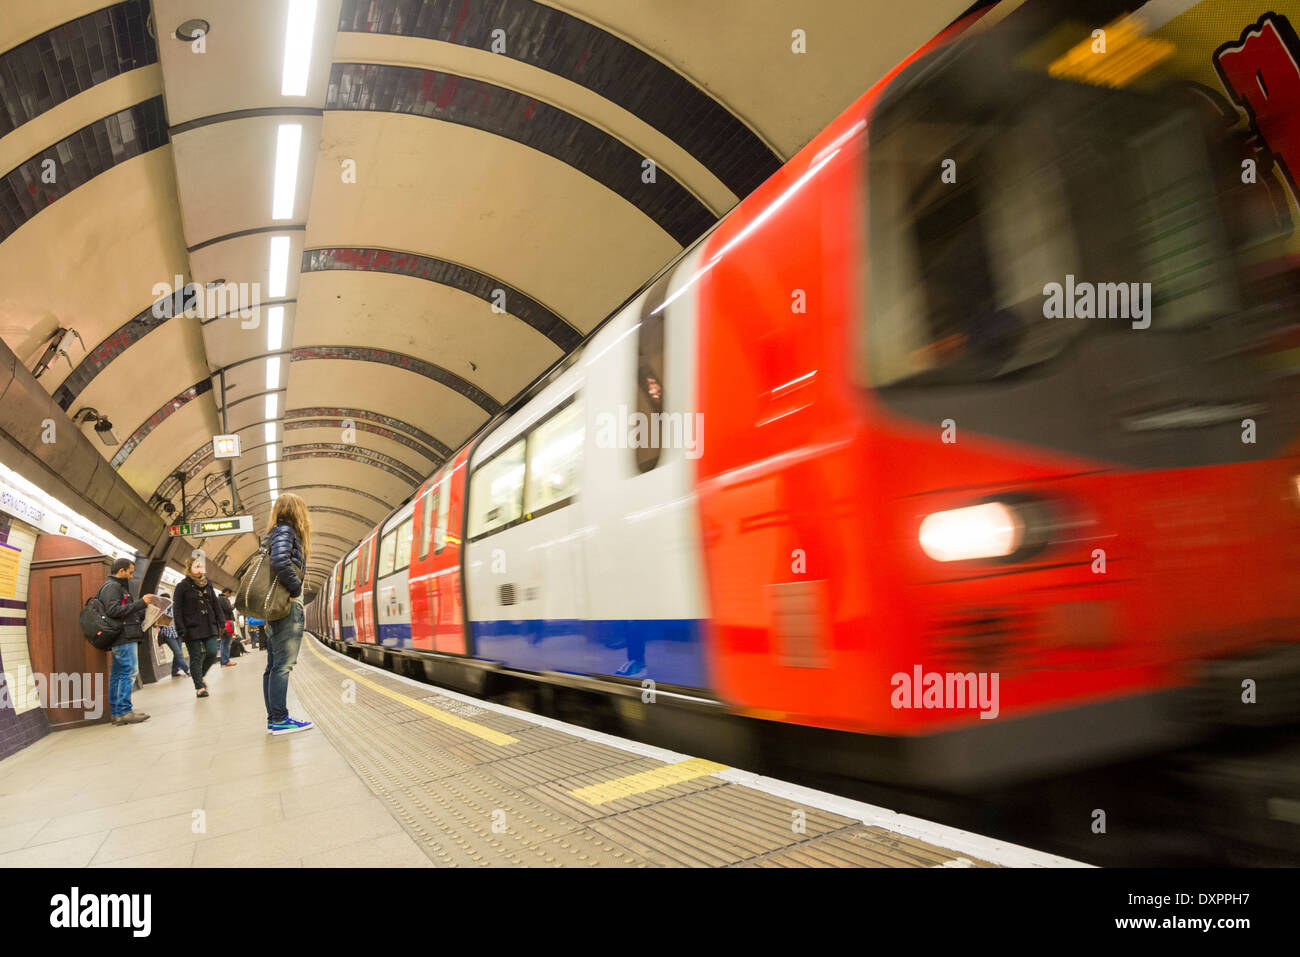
[
  {"x": 287, "y": 560},
  {"x": 115, "y": 595},
  {"x": 227, "y": 608},
  {"x": 197, "y": 612}
]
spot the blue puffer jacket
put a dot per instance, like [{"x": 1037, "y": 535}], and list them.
[{"x": 287, "y": 560}]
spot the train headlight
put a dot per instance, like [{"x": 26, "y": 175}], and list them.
[{"x": 990, "y": 530}]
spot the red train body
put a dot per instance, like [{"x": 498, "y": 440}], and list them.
[{"x": 1146, "y": 476}]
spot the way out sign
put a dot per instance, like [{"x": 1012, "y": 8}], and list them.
[{"x": 235, "y": 525}]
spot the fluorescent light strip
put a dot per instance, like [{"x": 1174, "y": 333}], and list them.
[
  {"x": 279, "y": 266},
  {"x": 274, "y": 328},
  {"x": 272, "y": 451},
  {"x": 79, "y": 526},
  {"x": 288, "y": 142},
  {"x": 271, "y": 406},
  {"x": 273, "y": 469},
  {"x": 299, "y": 27},
  {"x": 273, "y": 373},
  {"x": 268, "y": 431}
]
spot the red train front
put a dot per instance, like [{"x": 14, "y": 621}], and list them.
[
  {"x": 983, "y": 400},
  {"x": 997, "y": 473}
]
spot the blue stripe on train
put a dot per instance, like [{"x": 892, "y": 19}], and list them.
[
  {"x": 396, "y": 635},
  {"x": 349, "y": 632},
  {"x": 666, "y": 650}
]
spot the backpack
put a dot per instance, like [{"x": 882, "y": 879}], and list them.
[{"x": 100, "y": 630}]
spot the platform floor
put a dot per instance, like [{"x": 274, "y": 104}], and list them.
[{"x": 400, "y": 774}]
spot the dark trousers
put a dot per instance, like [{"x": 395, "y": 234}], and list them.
[{"x": 203, "y": 655}]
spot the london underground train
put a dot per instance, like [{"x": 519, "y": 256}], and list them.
[{"x": 849, "y": 464}]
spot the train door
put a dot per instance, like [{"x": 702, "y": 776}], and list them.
[
  {"x": 392, "y": 595},
  {"x": 336, "y": 578},
  {"x": 450, "y": 632},
  {"x": 643, "y": 560},
  {"x": 365, "y": 593},
  {"x": 420, "y": 579},
  {"x": 347, "y": 598}
]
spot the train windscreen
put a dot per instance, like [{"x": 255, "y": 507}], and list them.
[{"x": 1002, "y": 228}]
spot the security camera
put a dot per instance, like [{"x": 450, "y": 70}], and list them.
[{"x": 103, "y": 427}]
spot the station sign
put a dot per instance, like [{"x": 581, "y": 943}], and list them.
[
  {"x": 234, "y": 525},
  {"x": 225, "y": 446}
]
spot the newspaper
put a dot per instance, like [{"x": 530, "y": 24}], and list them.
[{"x": 161, "y": 606}]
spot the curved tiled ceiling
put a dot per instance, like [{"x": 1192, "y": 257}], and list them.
[{"x": 478, "y": 183}]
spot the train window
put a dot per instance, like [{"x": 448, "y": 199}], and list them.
[
  {"x": 349, "y": 575},
  {"x": 403, "y": 556},
  {"x": 649, "y": 391},
  {"x": 496, "y": 491},
  {"x": 976, "y": 213},
  {"x": 555, "y": 459},
  {"x": 444, "y": 513},
  {"x": 387, "y": 553},
  {"x": 422, "y": 522}
]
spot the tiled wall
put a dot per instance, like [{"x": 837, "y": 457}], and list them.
[{"x": 22, "y": 721}]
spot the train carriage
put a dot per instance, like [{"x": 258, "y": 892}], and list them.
[{"x": 858, "y": 441}]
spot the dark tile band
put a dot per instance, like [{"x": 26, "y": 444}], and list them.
[
  {"x": 518, "y": 304},
  {"x": 583, "y": 53},
  {"x": 540, "y": 126}
]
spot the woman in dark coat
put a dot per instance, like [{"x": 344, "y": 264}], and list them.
[
  {"x": 199, "y": 621},
  {"x": 288, "y": 542}
]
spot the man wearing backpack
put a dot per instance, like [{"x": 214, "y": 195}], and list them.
[{"x": 115, "y": 596}]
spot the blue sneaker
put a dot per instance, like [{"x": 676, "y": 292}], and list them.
[{"x": 289, "y": 726}]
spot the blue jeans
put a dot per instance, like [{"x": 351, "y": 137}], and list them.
[
  {"x": 179, "y": 663},
  {"x": 121, "y": 678},
  {"x": 225, "y": 650},
  {"x": 283, "y": 639}
]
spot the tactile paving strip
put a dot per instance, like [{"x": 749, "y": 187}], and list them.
[{"x": 552, "y": 799}]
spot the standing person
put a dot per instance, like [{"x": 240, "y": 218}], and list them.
[
  {"x": 167, "y": 636},
  {"x": 229, "y": 627},
  {"x": 199, "y": 620},
  {"x": 288, "y": 543},
  {"x": 115, "y": 595}
]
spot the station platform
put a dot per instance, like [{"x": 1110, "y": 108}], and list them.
[{"x": 397, "y": 773}]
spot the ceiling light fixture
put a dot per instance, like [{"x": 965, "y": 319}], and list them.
[
  {"x": 274, "y": 328},
  {"x": 279, "y": 266},
  {"x": 273, "y": 372},
  {"x": 191, "y": 30},
  {"x": 299, "y": 28},
  {"x": 272, "y": 452},
  {"x": 273, "y": 470},
  {"x": 270, "y": 406},
  {"x": 268, "y": 432},
  {"x": 288, "y": 140}
]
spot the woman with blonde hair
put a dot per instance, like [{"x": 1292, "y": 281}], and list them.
[{"x": 288, "y": 543}]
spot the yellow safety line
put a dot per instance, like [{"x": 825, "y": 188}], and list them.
[
  {"x": 472, "y": 727},
  {"x": 647, "y": 780}
]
